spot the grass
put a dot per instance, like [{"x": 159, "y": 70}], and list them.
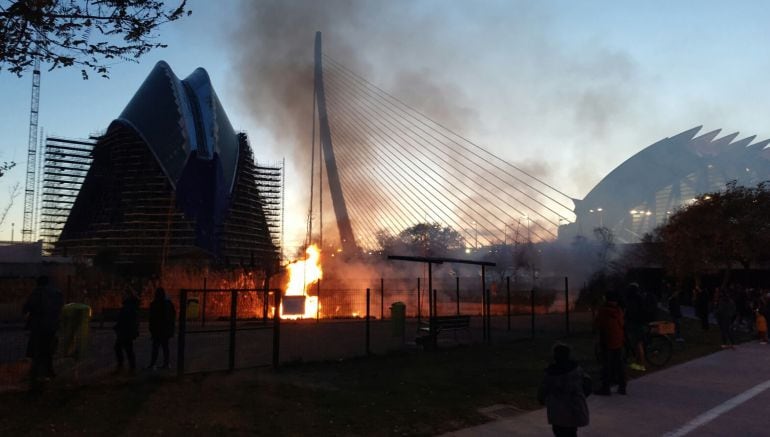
[{"x": 411, "y": 393}]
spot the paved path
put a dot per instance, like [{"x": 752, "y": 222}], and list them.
[{"x": 726, "y": 393}]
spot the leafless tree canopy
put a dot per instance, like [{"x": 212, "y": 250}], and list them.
[{"x": 90, "y": 34}]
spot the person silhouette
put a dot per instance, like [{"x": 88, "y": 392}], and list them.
[{"x": 43, "y": 311}]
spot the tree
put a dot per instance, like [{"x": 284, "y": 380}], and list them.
[
  {"x": 425, "y": 239},
  {"x": 718, "y": 231},
  {"x": 606, "y": 246},
  {"x": 5, "y": 166},
  {"x": 13, "y": 192},
  {"x": 85, "y": 33}
]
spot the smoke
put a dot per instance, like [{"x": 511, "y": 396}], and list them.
[
  {"x": 566, "y": 111},
  {"x": 273, "y": 65}
]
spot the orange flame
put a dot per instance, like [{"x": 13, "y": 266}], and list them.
[{"x": 302, "y": 275}]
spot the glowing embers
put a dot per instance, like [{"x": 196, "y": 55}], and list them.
[{"x": 302, "y": 275}]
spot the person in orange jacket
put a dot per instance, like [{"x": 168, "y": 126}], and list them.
[
  {"x": 761, "y": 327},
  {"x": 609, "y": 323}
]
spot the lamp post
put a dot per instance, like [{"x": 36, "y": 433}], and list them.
[
  {"x": 599, "y": 213},
  {"x": 529, "y": 231},
  {"x": 12, "y": 228},
  {"x": 505, "y": 230}
]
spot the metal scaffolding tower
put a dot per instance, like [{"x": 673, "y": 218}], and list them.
[
  {"x": 66, "y": 164},
  {"x": 29, "y": 190},
  {"x": 270, "y": 179}
]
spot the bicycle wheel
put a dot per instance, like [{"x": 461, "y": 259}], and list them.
[{"x": 658, "y": 350}]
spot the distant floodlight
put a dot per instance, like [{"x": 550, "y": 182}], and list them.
[{"x": 633, "y": 211}]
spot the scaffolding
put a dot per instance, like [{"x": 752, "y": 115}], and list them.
[
  {"x": 127, "y": 211},
  {"x": 270, "y": 185},
  {"x": 66, "y": 164}
]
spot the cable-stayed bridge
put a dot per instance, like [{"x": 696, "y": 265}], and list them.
[{"x": 389, "y": 167}]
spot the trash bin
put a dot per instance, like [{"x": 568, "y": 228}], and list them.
[
  {"x": 73, "y": 330},
  {"x": 193, "y": 309},
  {"x": 398, "y": 318}
]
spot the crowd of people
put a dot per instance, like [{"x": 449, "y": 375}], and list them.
[
  {"x": 43, "y": 310},
  {"x": 735, "y": 309},
  {"x": 622, "y": 322}
]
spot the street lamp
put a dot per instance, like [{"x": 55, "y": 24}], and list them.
[
  {"x": 529, "y": 233},
  {"x": 599, "y": 211}
]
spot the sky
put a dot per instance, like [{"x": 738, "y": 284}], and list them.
[{"x": 569, "y": 89}]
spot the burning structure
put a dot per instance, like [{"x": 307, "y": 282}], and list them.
[
  {"x": 644, "y": 190},
  {"x": 171, "y": 180}
]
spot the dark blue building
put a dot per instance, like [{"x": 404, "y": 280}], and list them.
[{"x": 171, "y": 181}]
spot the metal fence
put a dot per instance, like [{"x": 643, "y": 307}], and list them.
[{"x": 225, "y": 329}]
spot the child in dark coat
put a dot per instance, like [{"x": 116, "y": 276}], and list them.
[{"x": 564, "y": 391}]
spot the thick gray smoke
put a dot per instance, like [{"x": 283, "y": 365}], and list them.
[
  {"x": 273, "y": 54},
  {"x": 274, "y": 61},
  {"x": 560, "y": 114}
]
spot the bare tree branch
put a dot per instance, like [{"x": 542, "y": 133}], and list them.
[
  {"x": 13, "y": 192},
  {"x": 66, "y": 33}
]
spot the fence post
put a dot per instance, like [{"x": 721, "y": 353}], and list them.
[
  {"x": 203, "y": 306},
  {"x": 508, "y": 299},
  {"x": 181, "y": 335},
  {"x": 489, "y": 317},
  {"x": 101, "y": 302},
  {"x": 265, "y": 298},
  {"x": 382, "y": 298},
  {"x": 566, "y": 303},
  {"x": 318, "y": 303},
  {"x": 483, "y": 315},
  {"x": 532, "y": 311},
  {"x": 233, "y": 316},
  {"x": 485, "y": 304},
  {"x": 368, "y": 351},
  {"x": 277, "y": 329},
  {"x": 457, "y": 293},
  {"x": 419, "y": 309}
]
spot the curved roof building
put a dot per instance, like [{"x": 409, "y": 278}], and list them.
[
  {"x": 170, "y": 179},
  {"x": 643, "y": 191}
]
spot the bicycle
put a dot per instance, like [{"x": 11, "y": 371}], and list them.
[{"x": 658, "y": 346}]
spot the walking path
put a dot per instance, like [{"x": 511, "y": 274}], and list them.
[{"x": 726, "y": 393}]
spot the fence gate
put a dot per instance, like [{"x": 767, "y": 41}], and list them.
[{"x": 227, "y": 329}]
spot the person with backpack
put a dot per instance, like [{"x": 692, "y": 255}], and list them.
[
  {"x": 640, "y": 311},
  {"x": 563, "y": 392},
  {"x": 162, "y": 317},
  {"x": 43, "y": 311},
  {"x": 126, "y": 331}
]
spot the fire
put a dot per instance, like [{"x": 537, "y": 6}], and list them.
[{"x": 302, "y": 275}]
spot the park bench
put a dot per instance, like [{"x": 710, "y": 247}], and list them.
[{"x": 445, "y": 324}]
